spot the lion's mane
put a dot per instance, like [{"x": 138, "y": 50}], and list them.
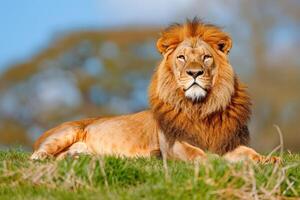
[{"x": 219, "y": 123}]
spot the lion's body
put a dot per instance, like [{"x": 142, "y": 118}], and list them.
[
  {"x": 138, "y": 134},
  {"x": 197, "y": 104},
  {"x": 127, "y": 135}
]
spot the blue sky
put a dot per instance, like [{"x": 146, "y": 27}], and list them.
[{"x": 29, "y": 25}]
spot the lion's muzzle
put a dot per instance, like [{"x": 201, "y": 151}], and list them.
[{"x": 195, "y": 92}]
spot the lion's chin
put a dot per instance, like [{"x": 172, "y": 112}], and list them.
[{"x": 195, "y": 93}]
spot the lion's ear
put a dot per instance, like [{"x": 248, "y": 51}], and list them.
[
  {"x": 161, "y": 46},
  {"x": 165, "y": 45},
  {"x": 225, "y": 45}
]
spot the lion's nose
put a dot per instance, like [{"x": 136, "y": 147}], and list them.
[{"x": 195, "y": 73}]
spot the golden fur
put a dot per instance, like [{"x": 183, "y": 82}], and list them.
[{"x": 197, "y": 104}]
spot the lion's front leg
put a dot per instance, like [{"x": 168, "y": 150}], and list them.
[
  {"x": 242, "y": 153},
  {"x": 179, "y": 150},
  {"x": 185, "y": 151}
]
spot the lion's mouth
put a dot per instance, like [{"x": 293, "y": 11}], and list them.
[
  {"x": 195, "y": 84},
  {"x": 195, "y": 92}
]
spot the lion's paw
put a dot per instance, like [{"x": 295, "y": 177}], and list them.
[
  {"x": 39, "y": 155},
  {"x": 271, "y": 160}
]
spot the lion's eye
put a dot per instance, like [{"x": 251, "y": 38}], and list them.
[
  {"x": 181, "y": 57},
  {"x": 206, "y": 57}
]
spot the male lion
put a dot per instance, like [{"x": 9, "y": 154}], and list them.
[{"x": 197, "y": 103}]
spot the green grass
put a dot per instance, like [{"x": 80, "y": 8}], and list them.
[{"x": 116, "y": 178}]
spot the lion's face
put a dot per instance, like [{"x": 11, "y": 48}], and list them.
[
  {"x": 195, "y": 74},
  {"x": 193, "y": 68}
]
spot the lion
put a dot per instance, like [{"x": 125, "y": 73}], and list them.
[{"x": 197, "y": 104}]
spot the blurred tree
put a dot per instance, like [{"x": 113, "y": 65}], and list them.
[
  {"x": 13, "y": 133},
  {"x": 274, "y": 94},
  {"x": 83, "y": 74}
]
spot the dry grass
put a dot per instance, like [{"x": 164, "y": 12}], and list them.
[{"x": 115, "y": 178}]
